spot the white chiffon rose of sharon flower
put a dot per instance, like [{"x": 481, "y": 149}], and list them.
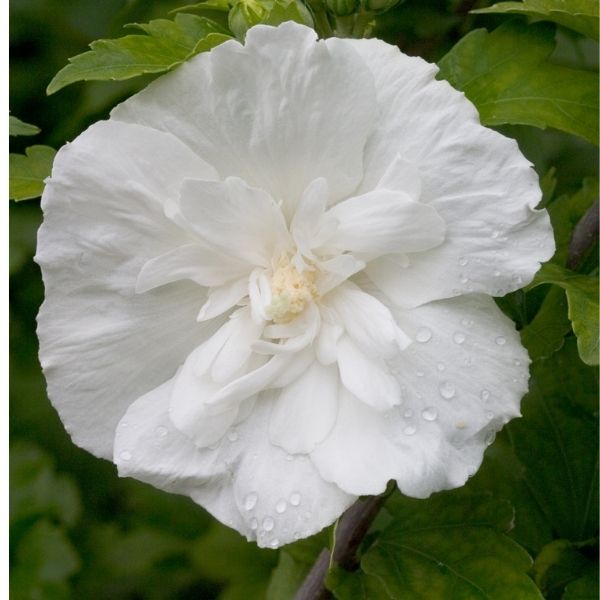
[{"x": 269, "y": 276}]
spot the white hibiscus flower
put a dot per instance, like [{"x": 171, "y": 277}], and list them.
[{"x": 269, "y": 277}]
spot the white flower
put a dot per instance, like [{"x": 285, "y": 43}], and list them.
[{"x": 268, "y": 281}]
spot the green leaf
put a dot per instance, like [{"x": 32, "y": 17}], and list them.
[
  {"x": 507, "y": 76},
  {"x": 286, "y": 578},
  {"x": 580, "y": 15},
  {"x": 28, "y": 171},
  {"x": 355, "y": 586},
  {"x": 557, "y": 564},
  {"x": 18, "y": 127},
  {"x": 37, "y": 491},
  {"x": 449, "y": 546},
  {"x": 566, "y": 211},
  {"x": 208, "y": 5},
  {"x": 166, "y": 45},
  {"x": 584, "y": 588},
  {"x": 45, "y": 559},
  {"x": 582, "y": 296},
  {"x": 557, "y": 442},
  {"x": 545, "y": 334}
]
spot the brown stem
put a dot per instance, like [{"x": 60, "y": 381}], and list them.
[
  {"x": 351, "y": 530},
  {"x": 585, "y": 235}
]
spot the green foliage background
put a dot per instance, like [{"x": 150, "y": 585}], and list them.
[{"x": 525, "y": 526}]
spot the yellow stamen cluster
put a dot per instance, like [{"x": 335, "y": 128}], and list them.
[{"x": 291, "y": 290}]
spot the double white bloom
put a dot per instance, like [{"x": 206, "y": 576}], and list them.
[{"x": 268, "y": 281}]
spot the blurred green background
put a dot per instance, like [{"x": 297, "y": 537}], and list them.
[{"x": 77, "y": 530}]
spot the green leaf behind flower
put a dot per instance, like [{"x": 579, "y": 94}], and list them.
[
  {"x": 507, "y": 76},
  {"x": 18, "y": 127},
  {"x": 582, "y": 296},
  {"x": 166, "y": 44},
  {"x": 28, "y": 171},
  {"x": 579, "y": 15}
]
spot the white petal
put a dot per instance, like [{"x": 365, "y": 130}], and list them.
[
  {"x": 237, "y": 220},
  {"x": 385, "y": 222},
  {"x": 336, "y": 270},
  {"x": 402, "y": 175},
  {"x": 368, "y": 321},
  {"x": 369, "y": 379},
  {"x": 101, "y": 344},
  {"x": 246, "y": 482},
  {"x": 476, "y": 179},
  {"x": 222, "y": 298},
  {"x": 305, "y": 411},
  {"x": 279, "y": 112},
  {"x": 326, "y": 344},
  {"x": 191, "y": 261}
]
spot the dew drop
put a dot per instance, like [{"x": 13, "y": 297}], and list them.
[
  {"x": 489, "y": 438},
  {"x": 459, "y": 338},
  {"x": 420, "y": 373},
  {"x": 268, "y": 524},
  {"x": 441, "y": 367},
  {"x": 289, "y": 457},
  {"x": 125, "y": 455},
  {"x": 281, "y": 506},
  {"x": 424, "y": 335},
  {"x": 463, "y": 278},
  {"x": 253, "y": 524},
  {"x": 447, "y": 390},
  {"x": 468, "y": 362},
  {"x": 462, "y": 261},
  {"x": 485, "y": 395},
  {"x": 161, "y": 431},
  {"x": 496, "y": 273},
  {"x": 232, "y": 435},
  {"x": 466, "y": 322},
  {"x": 430, "y": 413},
  {"x": 410, "y": 430},
  {"x": 517, "y": 362},
  {"x": 489, "y": 415},
  {"x": 275, "y": 544},
  {"x": 500, "y": 340},
  {"x": 297, "y": 535},
  {"x": 250, "y": 501},
  {"x": 295, "y": 499}
]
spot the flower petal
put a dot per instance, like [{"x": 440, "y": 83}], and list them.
[
  {"x": 264, "y": 111},
  {"x": 475, "y": 178},
  {"x": 246, "y": 482},
  {"x": 369, "y": 379},
  {"x": 235, "y": 219},
  {"x": 101, "y": 344},
  {"x": 384, "y": 222},
  {"x": 222, "y": 298},
  {"x": 305, "y": 411}
]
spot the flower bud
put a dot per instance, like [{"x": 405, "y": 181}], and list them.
[
  {"x": 342, "y": 8},
  {"x": 244, "y": 15},
  {"x": 379, "y": 6}
]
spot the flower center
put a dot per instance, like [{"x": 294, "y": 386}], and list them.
[{"x": 291, "y": 290}]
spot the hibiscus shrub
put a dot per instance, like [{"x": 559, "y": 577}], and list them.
[{"x": 291, "y": 274}]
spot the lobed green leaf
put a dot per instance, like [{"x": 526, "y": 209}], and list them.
[
  {"x": 28, "y": 171},
  {"x": 579, "y": 15},
  {"x": 18, "y": 127},
  {"x": 582, "y": 297},
  {"x": 507, "y": 76},
  {"x": 166, "y": 44}
]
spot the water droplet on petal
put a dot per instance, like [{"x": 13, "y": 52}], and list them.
[
  {"x": 253, "y": 524},
  {"x": 232, "y": 435},
  {"x": 410, "y": 430},
  {"x": 485, "y": 395},
  {"x": 500, "y": 340},
  {"x": 441, "y": 367},
  {"x": 420, "y": 373},
  {"x": 161, "y": 431},
  {"x": 281, "y": 506},
  {"x": 430, "y": 413},
  {"x": 490, "y": 437},
  {"x": 424, "y": 335},
  {"x": 462, "y": 261},
  {"x": 489, "y": 415},
  {"x": 447, "y": 390},
  {"x": 496, "y": 273},
  {"x": 274, "y": 544},
  {"x": 459, "y": 338},
  {"x": 268, "y": 524},
  {"x": 463, "y": 278},
  {"x": 125, "y": 455},
  {"x": 295, "y": 499},
  {"x": 289, "y": 457},
  {"x": 250, "y": 501},
  {"x": 517, "y": 362},
  {"x": 297, "y": 535}
]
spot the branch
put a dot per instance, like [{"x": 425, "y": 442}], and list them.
[
  {"x": 585, "y": 235},
  {"x": 351, "y": 530}
]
